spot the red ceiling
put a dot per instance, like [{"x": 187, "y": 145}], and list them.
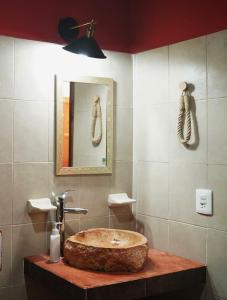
[
  {"x": 122, "y": 25},
  {"x": 38, "y": 19},
  {"x": 158, "y": 23}
]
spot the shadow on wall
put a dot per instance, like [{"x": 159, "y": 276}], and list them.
[{"x": 209, "y": 293}]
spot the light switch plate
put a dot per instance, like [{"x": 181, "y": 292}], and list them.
[{"x": 204, "y": 201}]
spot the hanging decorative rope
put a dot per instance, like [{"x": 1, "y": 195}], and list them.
[
  {"x": 96, "y": 115},
  {"x": 184, "y": 117}
]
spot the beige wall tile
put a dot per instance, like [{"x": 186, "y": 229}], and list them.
[
  {"x": 6, "y": 186},
  {"x": 217, "y": 124},
  {"x": 95, "y": 222},
  {"x": 71, "y": 227},
  {"x": 188, "y": 241},
  {"x": 34, "y": 70},
  {"x": 217, "y": 178},
  {"x": 151, "y": 77},
  {"x": 124, "y": 221},
  {"x": 59, "y": 184},
  {"x": 116, "y": 66},
  {"x": 187, "y": 62},
  {"x": 5, "y": 293},
  {"x": 197, "y": 152},
  {"x": 123, "y": 134},
  {"x": 150, "y": 140},
  {"x": 155, "y": 230},
  {"x": 27, "y": 240},
  {"x": 6, "y": 130},
  {"x": 51, "y": 132},
  {"x": 184, "y": 179},
  {"x": 18, "y": 292},
  {"x": 5, "y": 272},
  {"x": 30, "y": 182},
  {"x": 153, "y": 189},
  {"x": 7, "y": 67},
  {"x": 31, "y": 132},
  {"x": 135, "y": 182},
  {"x": 188, "y": 168},
  {"x": 121, "y": 210},
  {"x": 121, "y": 178},
  {"x": 217, "y": 64},
  {"x": 217, "y": 261},
  {"x": 94, "y": 193}
]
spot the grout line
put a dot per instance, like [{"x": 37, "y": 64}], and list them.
[
  {"x": 183, "y": 223},
  {"x": 12, "y": 168},
  {"x": 29, "y": 224},
  {"x": 24, "y": 100},
  {"x": 168, "y": 241},
  {"x": 115, "y": 106},
  {"x": 5, "y": 225},
  {"x": 31, "y": 162},
  {"x": 48, "y": 135},
  {"x": 207, "y": 110},
  {"x": 11, "y": 250},
  {"x": 206, "y": 247},
  {"x": 223, "y": 98},
  {"x": 168, "y": 166}
]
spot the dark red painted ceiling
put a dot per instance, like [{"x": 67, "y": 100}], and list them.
[
  {"x": 38, "y": 19},
  {"x": 122, "y": 25},
  {"x": 158, "y": 23}
]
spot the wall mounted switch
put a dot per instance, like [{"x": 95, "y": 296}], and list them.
[{"x": 204, "y": 201}]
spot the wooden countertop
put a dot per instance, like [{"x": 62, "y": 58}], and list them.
[{"x": 163, "y": 272}]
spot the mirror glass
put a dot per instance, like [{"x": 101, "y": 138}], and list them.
[{"x": 84, "y": 125}]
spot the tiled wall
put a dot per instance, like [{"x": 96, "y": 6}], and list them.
[
  {"x": 27, "y": 71},
  {"x": 165, "y": 173}
]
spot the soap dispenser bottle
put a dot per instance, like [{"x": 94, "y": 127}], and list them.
[{"x": 55, "y": 244}]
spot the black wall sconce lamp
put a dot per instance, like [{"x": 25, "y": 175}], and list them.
[{"x": 68, "y": 29}]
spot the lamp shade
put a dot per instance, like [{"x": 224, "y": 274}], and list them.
[{"x": 85, "y": 45}]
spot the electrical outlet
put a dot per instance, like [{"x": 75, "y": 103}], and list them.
[{"x": 204, "y": 201}]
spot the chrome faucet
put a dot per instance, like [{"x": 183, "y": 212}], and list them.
[{"x": 60, "y": 215}]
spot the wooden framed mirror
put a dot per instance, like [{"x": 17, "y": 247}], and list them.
[{"x": 84, "y": 125}]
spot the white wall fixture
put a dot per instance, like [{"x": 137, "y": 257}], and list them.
[
  {"x": 204, "y": 201},
  {"x": 119, "y": 199},
  {"x": 40, "y": 205}
]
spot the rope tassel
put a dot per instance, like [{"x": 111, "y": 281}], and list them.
[
  {"x": 184, "y": 118},
  {"x": 96, "y": 115}
]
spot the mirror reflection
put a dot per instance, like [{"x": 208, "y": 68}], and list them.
[{"x": 84, "y": 124}]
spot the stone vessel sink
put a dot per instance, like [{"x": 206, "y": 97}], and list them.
[{"x": 108, "y": 250}]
